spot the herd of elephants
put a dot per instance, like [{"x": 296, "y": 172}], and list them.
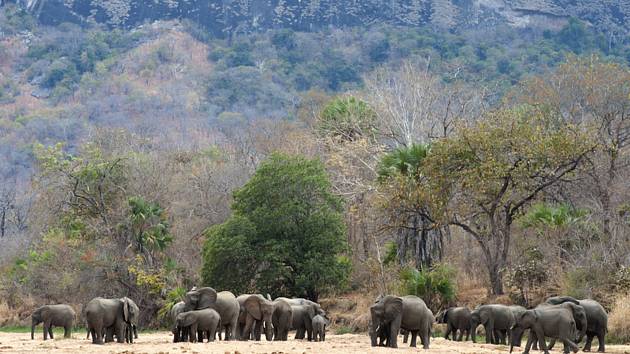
[{"x": 206, "y": 313}]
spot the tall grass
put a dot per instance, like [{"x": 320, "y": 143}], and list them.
[{"x": 618, "y": 324}]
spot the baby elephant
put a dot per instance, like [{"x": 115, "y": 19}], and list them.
[
  {"x": 200, "y": 322},
  {"x": 319, "y": 328},
  {"x": 53, "y": 315}
]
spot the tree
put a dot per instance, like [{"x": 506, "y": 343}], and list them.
[
  {"x": 484, "y": 176},
  {"x": 593, "y": 92},
  {"x": 287, "y": 233},
  {"x": 400, "y": 174}
]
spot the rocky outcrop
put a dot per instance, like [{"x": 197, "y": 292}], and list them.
[{"x": 226, "y": 17}]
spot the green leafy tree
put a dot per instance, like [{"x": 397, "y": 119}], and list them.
[
  {"x": 482, "y": 178},
  {"x": 286, "y": 235}
]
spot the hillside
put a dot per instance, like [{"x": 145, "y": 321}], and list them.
[{"x": 234, "y": 17}]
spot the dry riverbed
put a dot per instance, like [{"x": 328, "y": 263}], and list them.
[{"x": 160, "y": 343}]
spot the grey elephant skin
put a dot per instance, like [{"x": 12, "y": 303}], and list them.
[
  {"x": 319, "y": 328},
  {"x": 303, "y": 312},
  {"x": 281, "y": 319},
  {"x": 131, "y": 331},
  {"x": 493, "y": 318},
  {"x": 256, "y": 313},
  {"x": 408, "y": 312},
  {"x": 579, "y": 316},
  {"x": 456, "y": 319},
  {"x": 179, "y": 334},
  {"x": 596, "y": 318},
  {"x": 112, "y": 315},
  {"x": 53, "y": 315},
  {"x": 547, "y": 321},
  {"x": 201, "y": 323},
  {"x": 223, "y": 302}
]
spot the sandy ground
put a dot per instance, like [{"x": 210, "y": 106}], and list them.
[{"x": 160, "y": 343}]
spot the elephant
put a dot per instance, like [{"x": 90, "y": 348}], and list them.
[
  {"x": 53, "y": 315},
  {"x": 319, "y": 328},
  {"x": 493, "y": 318},
  {"x": 281, "y": 319},
  {"x": 407, "y": 312},
  {"x": 302, "y": 321},
  {"x": 223, "y": 302},
  {"x": 131, "y": 331},
  {"x": 456, "y": 319},
  {"x": 579, "y": 316},
  {"x": 255, "y": 310},
  {"x": 596, "y": 318},
  {"x": 201, "y": 322},
  {"x": 547, "y": 321},
  {"x": 179, "y": 334},
  {"x": 101, "y": 314}
]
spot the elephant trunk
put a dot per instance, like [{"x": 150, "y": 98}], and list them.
[
  {"x": 582, "y": 331},
  {"x": 33, "y": 330},
  {"x": 373, "y": 336}
]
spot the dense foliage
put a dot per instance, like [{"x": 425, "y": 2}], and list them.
[{"x": 286, "y": 236}]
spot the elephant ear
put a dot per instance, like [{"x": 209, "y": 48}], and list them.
[
  {"x": 252, "y": 305},
  {"x": 207, "y": 297},
  {"x": 310, "y": 309},
  {"x": 393, "y": 308},
  {"x": 125, "y": 305}
]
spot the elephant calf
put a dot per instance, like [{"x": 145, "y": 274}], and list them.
[
  {"x": 319, "y": 328},
  {"x": 201, "y": 322},
  {"x": 53, "y": 315}
]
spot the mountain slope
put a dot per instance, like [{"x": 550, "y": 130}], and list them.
[{"x": 228, "y": 17}]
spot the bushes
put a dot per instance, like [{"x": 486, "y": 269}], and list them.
[{"x": 436, "y": 285}]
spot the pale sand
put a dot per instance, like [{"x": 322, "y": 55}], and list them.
[{"x": 161, "y": 343}]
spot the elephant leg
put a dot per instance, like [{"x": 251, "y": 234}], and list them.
[
  {"x": 552, "y": 343},
  {"x": 249, "y": 322},
  {"x": 46, "y": 329},
  {"x": 589, "y": 341},
  {"x": 467, "y": 334},
  {"x": 541, "y": 339},
  {"x": 258, "y": 330},
  {"x": 394, "y": 328},
  {"x": 406, "y": 337},
  {"x": 414, "y": 334},
  {"x": 449, "y": 329},
  {"x": 425, "y": 336},
  {"x": 67, "y": 330},
  {"x": 602, "y": 341},
  {"x": 489, "y": 333},
  {"x": 192, "y": 333},
  {"x": 461, "y": 335}
]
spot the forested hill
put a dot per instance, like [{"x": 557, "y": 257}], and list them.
[{"x": 228, "y": 17}]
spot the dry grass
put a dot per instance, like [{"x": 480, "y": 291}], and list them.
[{"x": 618, "y": 324}]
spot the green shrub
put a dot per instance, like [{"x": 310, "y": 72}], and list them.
[{"x": 436, "y": 285}]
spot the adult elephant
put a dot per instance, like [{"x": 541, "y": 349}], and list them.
[
  {"x": 256, "y": 313},
  {"x": 596, "y": 318},
  {"x": 302, "y": 321},
  {"x": 305, "y": 308},
  {"x": 547, "y": 321},
  {"x": 456, "y": 319},
  {"x": 223, "y": 303},
  {"x": 112, "y": 314},
  {"x": 408, "y": 312},
  {"x": 281, "y": 319},
  {"x": 53, "y": 315},
  {"x": 493, "y": 318},
  {"x": 579, "y": 316}
]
